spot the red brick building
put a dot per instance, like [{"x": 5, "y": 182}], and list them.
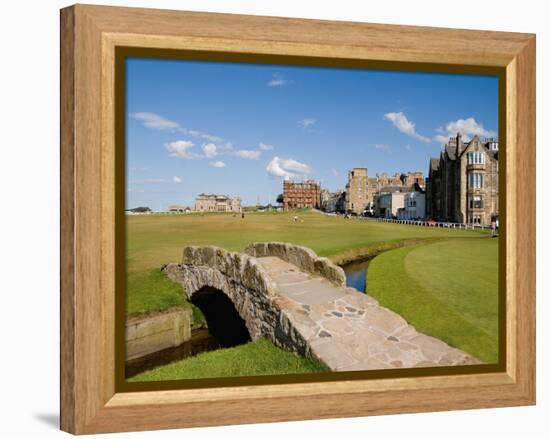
[{"x": 301, "y": 195}]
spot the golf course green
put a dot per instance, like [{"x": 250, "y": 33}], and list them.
[
  {"x": 259, "y": 357},
  {"x": 154, "y": 240},
  {"x": 443, "y": 281},
  {"x": 447, "y": 289}
]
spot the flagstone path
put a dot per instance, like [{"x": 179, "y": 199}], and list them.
[{"x": 348, "y": 330}]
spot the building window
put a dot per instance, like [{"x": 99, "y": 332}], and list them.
[
  {"x": 476, "y": 202},
  {"x": 475, "y": 180},
  {"x": 475, "y": 219},
  {"x": 476, "y": 158}
]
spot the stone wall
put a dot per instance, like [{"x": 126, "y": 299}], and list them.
[
  {"x": 155, "y": 332},
  {"x": 247, "y": 284},
  {"x": 304, "y": 258}
]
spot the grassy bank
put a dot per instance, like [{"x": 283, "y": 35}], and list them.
[
  {"x": 260, "y": 357},
  {"x": 151, "y": 291},
  {"x": 154, "y": 240},
  {"x": 447, "y": 289}
]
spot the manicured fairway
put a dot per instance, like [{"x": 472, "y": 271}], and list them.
[
  {"x": 447, "y": 289},
  {"x": 453, "y": 299},
  {"x": 259, "y": 357},
  {"x": 154, "y": 240}
]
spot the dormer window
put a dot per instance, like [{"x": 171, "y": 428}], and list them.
[{"x": 476, "y": 158}]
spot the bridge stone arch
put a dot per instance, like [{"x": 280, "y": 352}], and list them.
[
  {"x": 300, "y": 302},
  {"x": 248, "y": 286}
]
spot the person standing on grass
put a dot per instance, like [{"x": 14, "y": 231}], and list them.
[
  {"x": 493, "y": 228},
  {"x": 295, "y": 218},
  {"x": 496, "y": 225}
]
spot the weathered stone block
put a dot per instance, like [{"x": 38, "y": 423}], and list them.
[
  {"x": 155, "y": 332},
  {"x": 332, "y": 272},
  {"x": 304, "y": 258}
]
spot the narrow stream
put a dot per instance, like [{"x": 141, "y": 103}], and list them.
[
  {"x": 200, "y": 341},
  {"x": 356, "y": 275}
]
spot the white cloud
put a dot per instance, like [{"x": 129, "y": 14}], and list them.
[
  {"x": 440, "y": 138},
  {"x": 382, "y": 146},
  {"x": 265, "y": 147},
  {"x": 217, "y": 164},
  {"x": 210, "y": 150},
  {"x": 248, "y": 154},
  {"x": 156, "y": 122},
  {"x": 400, "y": 121},
  {"x": 211, "y": 137},
  {"x": 468, "y": 127},
  {"x": 277, "y": 81},
  {"x": 176, "y": 179},
  {"x": 200, "y": 135},
  {"x": 287, "y": 168},
  {"x": 181, "y": 149},
  {"x": 308, "y": 122}
]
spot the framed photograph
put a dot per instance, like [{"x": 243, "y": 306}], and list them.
[{"x": 269, "y": 219}]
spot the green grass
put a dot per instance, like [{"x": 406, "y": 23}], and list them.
[
  {"x": 447, "y": 289},
  {"x": 427, "y": 298},
  {"x": 260, "y": 357},
  {"x": 154, "y": 240},
  {"x": 151, "y": 291}
]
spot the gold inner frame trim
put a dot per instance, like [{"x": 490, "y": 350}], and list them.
[{"x": 116, "y": 47}]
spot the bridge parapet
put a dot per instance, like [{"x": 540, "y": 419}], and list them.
[
  {"x": 304, "y": 258},
  {"x": 282, "y": 292},
  {"x": 240, "y": 267},
  {"x": 247, "y": 284}
]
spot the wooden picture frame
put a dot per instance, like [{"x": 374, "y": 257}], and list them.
[{"x": 91, "y": 402}]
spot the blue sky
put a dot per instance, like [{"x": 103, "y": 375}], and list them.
[{"x": 240, "y": 129}]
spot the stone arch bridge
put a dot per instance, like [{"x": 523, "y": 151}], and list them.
[{"x": 300, "y": 302}]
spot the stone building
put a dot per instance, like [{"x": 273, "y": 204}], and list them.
[
  {"x": 409, "y": 180},
  {"x": 413, "y": 179},
  {"x": 358, "y": 196},
  {"x": 301, "y": 195},
  {"x": 217, "y": 203},
  {"x": 462, "y": 185},
  {"x": 362, "y": 190},
  {"x": 179, "y": 209},
  {"x": 335, "y": 202},
  {"x": 325, "y": 198}
]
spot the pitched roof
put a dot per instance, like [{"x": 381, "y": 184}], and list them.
[
  {"x": 450, "y": 149},
  {"x": 392, "y": 189},
  {"x": 434, "y": 163}
]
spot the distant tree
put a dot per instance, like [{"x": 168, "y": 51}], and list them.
[
  {"x": 280, "y": 198},
  {"x": 140, "y": 209}
]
